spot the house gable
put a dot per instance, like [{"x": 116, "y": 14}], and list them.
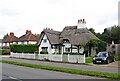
[{"x": 45, "y": 43}]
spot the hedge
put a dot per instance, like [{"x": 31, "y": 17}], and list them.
[{"x": 23, "y": 48}]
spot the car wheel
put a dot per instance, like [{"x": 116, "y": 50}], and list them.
[{"x": 107, "y": 61}]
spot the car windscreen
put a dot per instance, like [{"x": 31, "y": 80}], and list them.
[{"x": 102, "y": 54}]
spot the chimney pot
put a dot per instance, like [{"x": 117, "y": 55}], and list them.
[
  {"x": 11, "y": 34},
  {"x": 28, "y": 31}
]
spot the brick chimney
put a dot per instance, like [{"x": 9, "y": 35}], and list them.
[
  {"x": 28, "y": 31},
  {"x": 11, "y": 34},
  {"x": 11, "y": 37}
]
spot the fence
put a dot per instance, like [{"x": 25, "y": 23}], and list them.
[{"x": 59, "y": 57}]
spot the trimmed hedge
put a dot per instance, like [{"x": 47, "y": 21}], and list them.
[{"x": 23, "y": 48}]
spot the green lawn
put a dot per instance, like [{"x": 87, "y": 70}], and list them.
[{"x": 89, "y": 59}]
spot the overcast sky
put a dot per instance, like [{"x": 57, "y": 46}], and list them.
[{"x": 20, "y": 15}]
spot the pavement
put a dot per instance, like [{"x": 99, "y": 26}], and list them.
[{"x": 101, "y": 68}]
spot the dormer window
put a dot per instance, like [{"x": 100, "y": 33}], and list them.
[{"x": 66, "y": 41}]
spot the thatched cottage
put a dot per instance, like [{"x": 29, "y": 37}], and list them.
[{"x": 71, "y": 40}]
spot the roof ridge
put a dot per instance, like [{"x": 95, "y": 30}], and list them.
[{"x": 29, "y": 36}]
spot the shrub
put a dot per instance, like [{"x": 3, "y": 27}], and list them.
[
  {"x": 44, "y": 52},
  {"x": 23, "y": 48},
  {"x": 36, "y": 52},
  {"x": 117, "y": 57},
  {"x": 56, "y": 53},
  {"x": 4, "y": 51},
  {"x": 5, "y": 47},
  {"x": 66, "y": 53}
]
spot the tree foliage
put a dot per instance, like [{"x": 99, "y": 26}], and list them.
[
  {"x": 110, "y": 34},
  {"x": 5, "y": 36},
  {"x": 98, "y": 44}
]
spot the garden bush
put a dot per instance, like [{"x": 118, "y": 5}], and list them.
[
  {"x": 117, "y": 57},
  {"x": 23, "y": 48},
  {"x": 44, "y": 52},
  {"x": 4, "y": 51}
]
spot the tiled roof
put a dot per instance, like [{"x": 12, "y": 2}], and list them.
[
  {"x": 28, "y": 37},
  {"x": 10, "y": 39}
]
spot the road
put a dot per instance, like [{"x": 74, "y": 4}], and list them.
[
  {"x": 19, "y": 72},
  {"x": 76, "y": 66}
]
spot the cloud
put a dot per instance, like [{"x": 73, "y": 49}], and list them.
[
  {"x": 19, "y": 15},
  {"x": 8, "y": 12}
]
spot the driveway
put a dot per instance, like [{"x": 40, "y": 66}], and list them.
[{"x": 113, "y": 64}]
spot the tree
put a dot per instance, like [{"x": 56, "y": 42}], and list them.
[
  {"x": 96, "y": 34},
  {"x": 92, "y": 30},
  {"x": 119, "y": 42},
  {"x": 111, "y": 34},
  {"x": 99, "y": 45},
  {"x": 5, "y": 36}
]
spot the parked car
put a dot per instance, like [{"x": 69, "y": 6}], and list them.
[{"x": 103, "y": 57}]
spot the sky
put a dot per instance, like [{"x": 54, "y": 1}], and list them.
[{"x": 20, "y": 15}]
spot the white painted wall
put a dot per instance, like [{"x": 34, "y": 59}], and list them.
[
  {"x": 80, "y": 25},
  {"x": 66, "y": 45},
  {"x": 32, "y": 42},
  {"x": 15, "y": 42},
  {"x": 25, "y": 42},
  {"x": 5, "y": 44},
  {"x": 45, "y": 44},
  {"x": 81, "y": 50},
  {"x": 0, "y": 44}
]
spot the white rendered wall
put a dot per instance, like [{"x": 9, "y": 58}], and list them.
[
  {"x": 81, "y": 25},
  {"x": 45, "y": 44},
  {"x": 66, "y": 45},
  {"x": 19, "y": 42},
  {"x": 0, "y": 44},
  {"x": 32, "y": 42}
]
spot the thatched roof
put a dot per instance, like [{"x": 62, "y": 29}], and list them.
[
  {"x": 71, "y": 33},
  {"x": 52, "y": 35},
  {"x": 77, "y": 36}
]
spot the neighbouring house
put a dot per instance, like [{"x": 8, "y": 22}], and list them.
[
  {"x": 28, "y": 38},
  {"x": 71, "y": 40},
  {"x": 114, "y": 48},
  {"x": 0, "y": 42},
  {"x": 9, "y": 40}
]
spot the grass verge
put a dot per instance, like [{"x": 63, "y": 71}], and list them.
[
  {"x": 67, "y": 70},
  {"x": 88, "y": 60}
]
